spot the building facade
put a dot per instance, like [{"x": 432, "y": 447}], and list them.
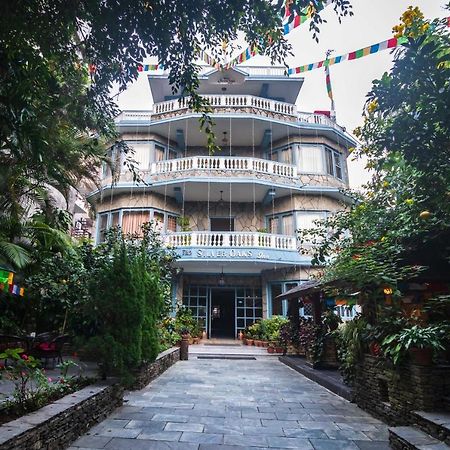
[{"x": 231, "y": 216}]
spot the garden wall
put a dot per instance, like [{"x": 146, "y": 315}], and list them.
[
  {"x": 57, "y": 425},
  {"x": 149, "y": 372},
  {"x": 392, "y": 394}
]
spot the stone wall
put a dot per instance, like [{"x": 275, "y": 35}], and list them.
[
  {"x": 57, "y": 425},
  {"x": 392, "y": 394},
  {"x": 149, "y": 372}
]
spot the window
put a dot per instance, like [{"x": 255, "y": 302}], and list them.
[
  {"x": 141, "y": 154},
  {"x": 158, "y": 219},
  {"x": 159, "y": 153},
  {"x": 280, "y": 307},
  {"x": 311, "y": 159},
  {"x": 281, "y": 224},
  {"x": 306, "y": 219},
  {"x": 273, "y": 225},
  {"x": 195, "y": 299},
  {"x": 248, "y": 307},
  {"x": 132, "y": 221},
  {"x": 222, "y": 223},
  {"x": 334, "y": 163},
  {"x": 113, "y": 165},
  {"x": 288, "y": 225},
  {"x": 115, "y": 218},
  {"x": 277, "y": 304},
  {"x": 102, "y": 227},
  {"x": 171, "y": 223}
]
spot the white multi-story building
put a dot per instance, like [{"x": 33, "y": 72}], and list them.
[{"x": 231, "y": 216}]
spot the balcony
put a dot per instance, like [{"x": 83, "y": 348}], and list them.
[
  {"x": 229, "y": 103},
  {"x": 225, "y": 104},
  {"x": 249, "y": 251},
  {"x": 231, "y": 240},
  {"x": 230, "y": 164}
]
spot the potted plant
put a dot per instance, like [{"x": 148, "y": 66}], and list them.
[{"x": 419, "y": 343}]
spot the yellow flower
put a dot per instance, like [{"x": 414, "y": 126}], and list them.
[
  {"x": 409, "y": 201},
  {"x": 351, "y": 149},
  {"x": 357, "y": 131},
  {"x": 385, "y": 184},
  {"x": 383, "y": 238},
  {"x": 373, "y": 105}
]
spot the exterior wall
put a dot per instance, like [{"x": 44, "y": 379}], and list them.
[
  {"x": 244, "y": 220},
  {"x": 139, "y": 200}
]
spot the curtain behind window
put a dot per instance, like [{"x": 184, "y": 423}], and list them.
[
  {"x": 132, "y": 221},
  {"x": 311, "y": 159}
]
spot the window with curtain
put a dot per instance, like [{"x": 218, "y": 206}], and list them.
[
  {"x": 288, "y": 225},
  {"x": 310, "y": 159},
  {"x": 274, "y": 225},
  {"x": 159, "y": 153},
  {"x": 115, "y": 216},
  {"x": 286, "y": 156},
  {"x": 141, "y": 155},
  {"x": 306, "y": 219},
  {"x": 132, "y": 221}
]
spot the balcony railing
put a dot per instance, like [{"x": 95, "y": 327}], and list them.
[
  {"x": 236, "y": 239},
  {"x": 226, "y": 163},
  {"x": 229, "y": 102}
]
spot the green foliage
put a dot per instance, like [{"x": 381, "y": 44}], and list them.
[
  {"x": 32, "y": 388},
  {"x": 270, "y": 329},
  {"x": 350, "y": 343},
  {"x": 129, "y": 289},
  {"x": 396, "y": 346},
  {"x": 400, "y": 226}
]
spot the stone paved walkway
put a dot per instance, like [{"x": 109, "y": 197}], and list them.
[{"x": 225, "y": 404}]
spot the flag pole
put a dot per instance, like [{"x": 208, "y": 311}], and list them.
[{"x": 329, "y": 87}]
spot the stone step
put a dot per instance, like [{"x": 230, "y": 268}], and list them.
[
  {"x": 435, "y": 423},
  {"x": 410, "y": 438}
]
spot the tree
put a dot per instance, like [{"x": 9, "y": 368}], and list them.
[
  {"x": 400, "y": 226},
  {"x": 56, "y": 77}
]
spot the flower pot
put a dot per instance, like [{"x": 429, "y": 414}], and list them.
[
  {"x": 270, "y": 349},
  {"x": 264, "y": 343},
  {"x": 196, "y": 340},
  {"x": 421, "y": 356},
  {"x": 244, "y": 341},
  {"x": 279, "y": 349},
  {"x": 249, "y": 341},
  {"x": 375, "y": 349},
  {"x": 257, "y": 343}
]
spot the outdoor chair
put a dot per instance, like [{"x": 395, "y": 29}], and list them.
[
  {"x": 11, "y": 341},
  {"x": 51, "y": 350}
]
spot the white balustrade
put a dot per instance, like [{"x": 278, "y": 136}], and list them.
[
  {"x": 229, "y": 101},
  {"x": 318, "y": 119},
  {"x": 226, "y": 163},
  {"x": 236, "y": 239},
  {"x": 139, "y": 116}
]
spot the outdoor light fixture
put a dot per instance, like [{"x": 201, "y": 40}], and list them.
[
  {"x": 221, "y": 281},
  {"x": 387, "y": 291}
]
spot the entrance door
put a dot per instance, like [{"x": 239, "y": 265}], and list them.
[
  {"x": 223, "y": 313},
  {"x": 222, "y": 223}
]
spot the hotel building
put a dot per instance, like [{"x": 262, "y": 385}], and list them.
[{"x": 231, "y": 216}]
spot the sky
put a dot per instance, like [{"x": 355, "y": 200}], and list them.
[{"x": 372, "y": 23}]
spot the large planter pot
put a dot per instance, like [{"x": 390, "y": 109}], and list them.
[
  {"x": 264, "y": 343},
  {"x": 244, "y": 341},
  {"x": 270, "y": 349},
  {"x": 279, "y": 350},
  {"x": 421, "y": 356},
  {"x": 257, "y": 343},
  {"x": 250, "y": 342}
]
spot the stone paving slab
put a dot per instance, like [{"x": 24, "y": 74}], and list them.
[{"x": 235, "y": 405}]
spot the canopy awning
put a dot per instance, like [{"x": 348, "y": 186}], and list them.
[{"x": 302, "y": 290}]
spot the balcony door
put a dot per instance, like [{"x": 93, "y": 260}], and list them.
[{"x": 221, "y": 224}]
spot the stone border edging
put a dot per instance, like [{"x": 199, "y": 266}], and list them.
[
  {"x": 316, "y": 376},
  {"x": 149, "y": 372},
  {"x": 60, "y": 423}
]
